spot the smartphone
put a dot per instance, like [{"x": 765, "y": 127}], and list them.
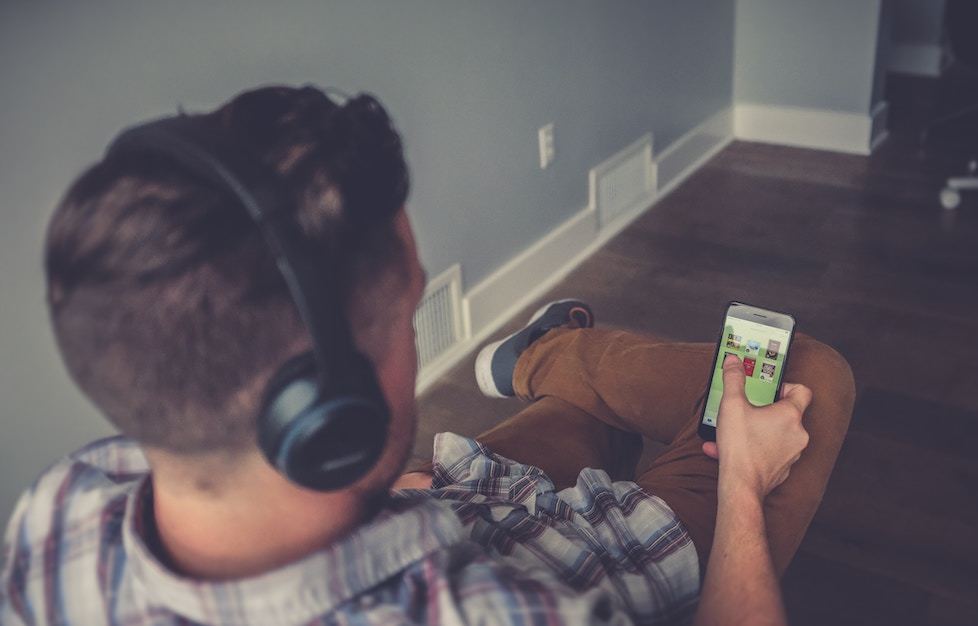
[{"x": 760, "y": 338}]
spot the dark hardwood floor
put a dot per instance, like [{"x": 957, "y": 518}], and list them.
[{"x": 859, "y": 249}]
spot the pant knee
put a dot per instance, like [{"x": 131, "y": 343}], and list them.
[{"x": 823, "y": 369}]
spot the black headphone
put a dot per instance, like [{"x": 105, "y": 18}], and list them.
[{"x": 323, "y": 421}]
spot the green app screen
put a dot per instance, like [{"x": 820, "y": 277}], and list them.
[{"x": 761, "y": 349}]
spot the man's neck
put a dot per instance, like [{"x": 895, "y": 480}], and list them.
[{"x": 262, "y": 521}]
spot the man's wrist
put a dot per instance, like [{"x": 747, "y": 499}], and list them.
[{"x": 739, "y": 494}]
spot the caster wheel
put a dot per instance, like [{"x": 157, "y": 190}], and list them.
[{"x": 950, "y": 198}]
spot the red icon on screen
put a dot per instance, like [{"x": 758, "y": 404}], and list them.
[{"x": 749, "y": 366}]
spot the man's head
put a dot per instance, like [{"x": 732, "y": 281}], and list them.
[{"x": 166, "y": 303}]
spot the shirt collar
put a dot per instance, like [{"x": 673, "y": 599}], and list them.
[{"x": 402, "y": 534}]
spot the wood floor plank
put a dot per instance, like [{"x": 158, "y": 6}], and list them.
[{"x": 820, "y": 591}]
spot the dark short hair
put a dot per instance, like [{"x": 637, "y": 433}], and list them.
[{"x": 166, "y": 303}]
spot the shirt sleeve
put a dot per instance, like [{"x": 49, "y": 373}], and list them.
[
  {"x": 464, "y": 585},
  {"x": 598, "y": 534},
  {"x": 560, "y": 608},
  {"x": 16, "y": 557}
]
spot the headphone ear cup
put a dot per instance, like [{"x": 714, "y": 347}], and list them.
[
  {"x": 334, "y": 443},
  {"x": 272, "y": 420},
  {"x": 302, "y": 365},
  {"x": 322, "y": 441}
]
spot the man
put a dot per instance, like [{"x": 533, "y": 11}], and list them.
[{"x": 172, "y": 317}]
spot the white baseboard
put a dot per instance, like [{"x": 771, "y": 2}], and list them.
[
  {"x": 879, "y": 117},
  {"x": 527, "y": 276},
  {"x": 432, "y": 373},
  {"x": 532, "y": 271},
  {"x": 520, "y": 281},
  {"x": 808, "y": 128},
  {"x": 689, "y": 152},
  {"x": 917, "y": 59}
]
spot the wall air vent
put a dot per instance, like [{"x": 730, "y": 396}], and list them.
[
  {"x": 624, "y": 184},
  {"x": 438, "y": 320}
]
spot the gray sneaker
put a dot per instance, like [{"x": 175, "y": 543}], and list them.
[{"x": 495, "y": 364}]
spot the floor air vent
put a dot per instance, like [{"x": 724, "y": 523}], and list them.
[{"x": 438, "y": 320}]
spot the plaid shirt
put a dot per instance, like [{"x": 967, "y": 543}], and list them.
[{"x": 490, "y": 543}]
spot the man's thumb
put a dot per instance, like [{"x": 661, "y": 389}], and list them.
[{"x": 734, "y": 378}]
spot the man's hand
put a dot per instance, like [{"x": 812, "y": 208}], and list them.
[
  {"x": 413, "y": 480},
  {"x": 757, "y": 446}
]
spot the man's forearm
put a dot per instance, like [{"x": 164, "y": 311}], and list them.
[{"x": 740, "y": 585}]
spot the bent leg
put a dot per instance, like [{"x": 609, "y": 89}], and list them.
[
  {"x": 789, "y": 509},
  {"x": 592, "y": 387},
  {"x": 593, "y": 393},
  {"x": 687, "y": 479},
  {"x": 635, "y": 383},
  {"x": 561, "y": 439}
]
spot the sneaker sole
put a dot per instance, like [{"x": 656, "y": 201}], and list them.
[
  {"x": 483, "y": 362},
  {"x": 483, "y": 371}
]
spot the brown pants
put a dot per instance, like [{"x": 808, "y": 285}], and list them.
[{"x": 592, "y": 392}]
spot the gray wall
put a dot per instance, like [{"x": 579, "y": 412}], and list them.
[
  {"x": 883, "y": 46},
  {"x": 918, "y": 21},
  {"x": 819, "y": 55},
  {"x": 468, "y": 82}
]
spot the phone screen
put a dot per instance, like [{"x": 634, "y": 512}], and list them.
[{"x": 761, "y": 347}]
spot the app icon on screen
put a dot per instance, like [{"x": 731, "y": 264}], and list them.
[
  {"x": 772, "y": 349},
  {"x": 753, "y": 347},
  {"x": 749, "y": 366},
  {"x": 767, "y": 372},
  {"x": 733, "y": 341}
]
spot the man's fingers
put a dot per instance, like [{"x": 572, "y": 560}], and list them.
[
  {"x": 798, "y": 395},
  {"x": 734, "y": 378},
  {"x": 786, "y": 387},
  {"x": 783, "y": 476},
  {"x": 710, "y": 449}
]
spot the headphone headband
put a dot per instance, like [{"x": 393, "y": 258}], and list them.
[
  {"x": 229, "y": 165},
  {"x": 323, "y": 421}
]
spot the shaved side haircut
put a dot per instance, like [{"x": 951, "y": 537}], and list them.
[{"x": 167, "y": 305}]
